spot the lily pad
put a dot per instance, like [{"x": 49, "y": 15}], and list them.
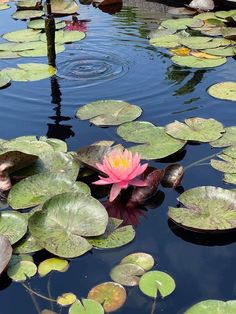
[
  {"x": 227, "y": 166},
  {"x": 6, "y": 252},
  {"x": 86, "y": 307},
  {"x": 40, "y": 24},
  {"x": 57, "y": 145},
  {"x": 114, "y": 236},
  {"x": 222, "y": 52},
  {"x": 127, "y": 274},
  {"x": 21, "y": 267},
  {"x": 29, "y": 72},
  {"x": 208, "y": 208},
  {"x": 177, "y": 24},
  {"x": 17, "y": 47},
  {"x": 155, "y": 143},
  {"x": 64, "y": 221},
  {"x": 213, "y": 307},
  {"x": 110, "y": 294},
  {"x": 166, "y": 41},
  {"x": 28, "y": 4},
  {"x": 194, "y": 62},
  {"x": 66, "y": 299},
  {"x": 155, "y": 281},
  {"x": 27, "y": 244},
  {"x": 52, "y": 264},
  {"x": 27, "y": 14},
  {"x": 196, "y": 129},
  {"x": 13, "y": 225},
  {"x": 108, "y": 112},
  {"x": 229, "y": 33},
  {"x": 8, "y": 55},
  {"x": 40, "y": 52},
  {"x": 36, "y": 189},
  {"x": 143, "y": 260},
  {"x": 64, "y": 7},
  {"x": 4, "y": 6},
  {"x": 4, "y": 80},
  {"x": 200, "y": 42},
  {"x": 227, "y": 139},
  {"x": 224, "y": 90},
  {"x": 23, "y": 35},
  {"x": 63, "y": 37}
]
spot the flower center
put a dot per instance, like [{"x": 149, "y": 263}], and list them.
[{"x": 117, "y": 162}]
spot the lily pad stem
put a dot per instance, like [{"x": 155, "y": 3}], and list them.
[
  {"x": 37, "y": 294},
  {"x": 154, "y": 306},
  {"x": 195, "y": 163}
]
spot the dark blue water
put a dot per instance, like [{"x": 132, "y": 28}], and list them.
[{"x": 116, "y": 61}]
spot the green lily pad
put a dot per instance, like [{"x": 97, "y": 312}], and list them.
[
  {"x": 27, "y": 4},
  {"x": 230, "y": 151},
  {"x": 52, "y": 264},
  {"x": 4, "y": 80},
  {"x": 36, "y": 189},
  {"x": 200, "y": 42},
  {"x": 5, "y": 252},
  {"x": 27, "y": 14},
  {"x": 86, "y": 307},
  {"x": 224, "y": 90},
  {"x": 166, "y": 41},
  {"x": 227, "y": 139},
  {"x": 4, "y": 6},
  {"x": 8, "y": 55},
  {"x": 64, "y": 7},
  {"x": 114, "y": 236},
  {"x": 29, "y": 72},
  {"x": 66, "y": 299},
  {"x": 208, "y": 208},
  {"x": 196, "y": 129},
  {"x": 155, "y": 143},
  {"x": 64, "y": 37},
  {"x": 57, "y": 145},
  {"x": 13, "y": 225},
  {"x": 17, "y": 47},
  {"x": 194, "y": 62},
  {"x": 213, "y": 307},
  {"x": 108, "y": 112},
  {"x": 27, "y": 244},
  {"x": 21, "y": 267},
  {"x": 225, "y": 14},
  {"x": 229, "y": 33},
  {"x": 221, "y": 52},
  {"x": 23, "y": 35},
  {"x": 110, "y": 294},
  {"x": 40, "y": 24},
  {"x": 143, "y": 260},
  {"x": 155, "y": 281},
  {"x": 40, "y": 52},
  {"x": 127, "y": 274},
  {"x": 230, "y": 178},
  {"x": 177, "y": 24},
  {"x": 205, "y": 16},
  {"x": 64, "y": 221}
]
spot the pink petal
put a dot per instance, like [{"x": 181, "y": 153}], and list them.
[
  {"x": 115, "y": 191},
  {"x": 102, "y": 181}
]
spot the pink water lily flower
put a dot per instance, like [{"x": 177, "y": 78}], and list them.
[{"x": 122, "y": 169}]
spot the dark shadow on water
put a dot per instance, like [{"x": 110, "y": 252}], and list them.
[{"x": 206, "y": 239}]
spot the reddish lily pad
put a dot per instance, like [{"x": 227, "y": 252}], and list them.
[
  {"x": 5, "y": 252},
  {"x": 110, "y": 294}
]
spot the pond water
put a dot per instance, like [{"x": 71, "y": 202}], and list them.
[{"x": 116, "y": 61}]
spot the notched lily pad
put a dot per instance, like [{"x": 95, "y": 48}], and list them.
[
  {"x": 110, "y": 294},
  {"x": 143, "y": 260},
  {"x": 21, "y": 267},
  {"x": 66, "y": 299},
  {"x": 208, "y": 208},
  {"x": 52, "y": 264},
  {"x": 108, "y": 112},
  {"x": 127, "y": 274},
  {"x": 87, "y": 306}
]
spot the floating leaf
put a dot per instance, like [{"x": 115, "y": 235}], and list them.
[
  {"x": 86, "y": 307},
  {"x": 66, "y": 299},
  {"x": 4, "y": 80},
  {"x": 27, "y": 244},
  {"x": 213, "y": 306},
  {"x": 28, "y": 4},
  {"x": 63, "y": 37},
  {"x": 143, "y": 260},
  {"x": 16, "y": 46},
  {"x": 110, "y": 294},
  {"x": 222, "y": 52},
  {"x": 38, "y": 188},
  {"x": 224, "y": 90},
  {"x": 4, "y": 6},
  {"x": 113, "y": 237},
  {"x": 30, "y": 72},
  {"x": 177, "y": 24},
  {"x": 51, "y": 264},
  {"x": 40, "y": 24},
  {"x": 40, "y": 52},
  {"x": 227, "y": 166},
  {"x": 227, "y": 139},
  {"x": 27, "y": 14},
  {"x": 22, "y": 35},
  {"x": 208, "y": 208},
  {"x": 193, "y": 62},
  {"x": 196, "y": 129},
  {"x": 21, "y": 267},
  {"x": 64, "y": 221},
  {"x": 13, "y": 225},
  {"x": 155, "y": 143},
  {"x": 180, "y": 11},
  {"x": 155, "y": 281},
  {"x": 225, "y": 14},
  {"x": 127, "y": 274},
  {"x": 108, "y": 112},
  {"x": 166, "y": 41},
  {"x": 5, "y": 252},
  {"x": 8, "y": 55},
  {"x": 64, "y": 7},
  {"x": 229, "y": 33},
  {"x": 200, "y": 42}
]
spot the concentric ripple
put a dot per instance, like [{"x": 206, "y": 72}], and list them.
[{"x": 86, "y": 67}]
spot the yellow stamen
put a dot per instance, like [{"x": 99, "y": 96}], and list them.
[{"x": 117, "y": 162}]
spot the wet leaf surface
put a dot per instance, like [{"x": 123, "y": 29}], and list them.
[{"x": 52, "y": 264}]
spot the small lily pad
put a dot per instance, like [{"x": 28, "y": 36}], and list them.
[
  {"x": 155, "y": 143},
  {"x": 196, "y": 129},
  {"x": 27, "y": 14},
  {"x": 224, "y": 90},
  {"x": 52, "y": 264},
  {"x": 143, "y": 260},
  {"x": 5, "y": 252},
  {"x": 227, "y": 139},
  {"x": 13, "y": 225},
  {"x": 194, "y": 62},
  {"x": 213, "y": 307},
  {"x": 208, "y": 208},
  {"x": 110, "y": 294},
  {"x": 21, "y": 267},
  {"x": 66, "y": 299},
  {"x": 108, "y": 112},
  {"x": 4, "y": 6},
  {"x": 155, "y": 281},
  {"x": 86, "y": 307},
  {"x": 127, "y": 274}
]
